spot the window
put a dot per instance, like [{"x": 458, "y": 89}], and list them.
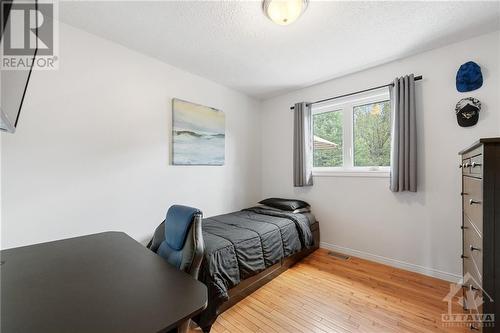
[
  {"x": 352, "y": 136},
  {"x": 328, "y": 139}
]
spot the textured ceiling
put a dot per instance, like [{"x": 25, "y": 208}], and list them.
[{"x": 234, "y": 44}]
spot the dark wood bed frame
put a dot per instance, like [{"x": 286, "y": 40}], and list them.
[{"x": 248, "y": 286}]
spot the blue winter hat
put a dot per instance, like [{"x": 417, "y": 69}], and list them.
[{"x": 469, "y": 77}]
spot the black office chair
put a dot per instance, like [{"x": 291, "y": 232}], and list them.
[{"x": 179, "y": 241}]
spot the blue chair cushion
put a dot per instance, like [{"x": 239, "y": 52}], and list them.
[
  {"x": 177, "y": 224},
  {"x": 173, "y": 257}
]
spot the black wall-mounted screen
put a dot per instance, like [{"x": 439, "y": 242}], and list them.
[{"x": 13, "y": 83}]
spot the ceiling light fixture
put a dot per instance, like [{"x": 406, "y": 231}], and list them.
[{"x": 284, "y": 12}]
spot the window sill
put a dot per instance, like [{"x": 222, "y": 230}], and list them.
[{"x": 351, "y": 173}]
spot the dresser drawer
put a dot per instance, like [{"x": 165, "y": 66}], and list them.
[
  {"x": 469, "y": 267},
  {"x": 473, "y": 246},
  {"x": 472, "y": 290},
  {"x": 473, "y": 152},
  {"x": 473, "y": 201},
  {"x": 473, "y": 156},
  {"x": 471, "y": 285}
]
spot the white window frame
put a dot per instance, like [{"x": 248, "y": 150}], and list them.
[{"x": 346, "y": 106}]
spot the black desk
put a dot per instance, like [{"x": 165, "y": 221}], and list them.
[{"x": 105, "y": 282}]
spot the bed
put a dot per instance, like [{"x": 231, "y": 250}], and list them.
[{"x": 246, "y": 249}]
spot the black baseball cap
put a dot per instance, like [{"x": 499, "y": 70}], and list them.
[{"x": 467, "y": 111}]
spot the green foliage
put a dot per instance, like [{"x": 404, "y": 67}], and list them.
[
  {"x": 328, "y": 126},
  {"x": 372, "y": 134}
]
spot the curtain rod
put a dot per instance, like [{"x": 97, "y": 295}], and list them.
[{"x": 417, "y": 78}]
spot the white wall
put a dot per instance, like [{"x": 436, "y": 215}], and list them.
[
  {"x": 361, "y": 216},
  {"x": 91, "y": 152}
]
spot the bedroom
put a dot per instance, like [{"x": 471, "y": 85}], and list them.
[{"x": 97, "y": 142}]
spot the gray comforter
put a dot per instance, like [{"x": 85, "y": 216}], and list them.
[{"x": 241, "y": 244}]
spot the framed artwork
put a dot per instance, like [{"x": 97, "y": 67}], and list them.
[{"x": 198, "y": 134}]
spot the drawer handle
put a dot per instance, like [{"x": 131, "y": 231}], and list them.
[
  {"x": 466, "y": 165},
  {"x": 472, "y": 202},
  {"x": 464, "y": 257},
  {"x": 470, "y": 287},
  {"x": 474, "y": 164},
  {"x": 472, "y": 248},
  {"x": 460, "y": 166},
  {"x": 463, "y": 227}
]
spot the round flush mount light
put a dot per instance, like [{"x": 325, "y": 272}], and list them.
[{"x": 284, "y": 12}]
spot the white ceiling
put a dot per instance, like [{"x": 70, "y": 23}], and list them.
[{"x": 234, "y": 44}]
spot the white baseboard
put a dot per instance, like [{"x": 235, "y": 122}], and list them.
[{"x": 393, "y": 262}]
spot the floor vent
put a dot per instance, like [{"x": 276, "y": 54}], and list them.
[{"x": 339, "y": 255}]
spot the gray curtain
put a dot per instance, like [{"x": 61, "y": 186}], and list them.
[
  {"x": 302, "y": 145},
  {"x": 404, "y": 135}
]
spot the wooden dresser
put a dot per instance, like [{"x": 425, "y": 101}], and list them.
[{"x": 481, "y": 230}]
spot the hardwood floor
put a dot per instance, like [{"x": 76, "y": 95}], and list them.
[{"x": 325, "y": 294}]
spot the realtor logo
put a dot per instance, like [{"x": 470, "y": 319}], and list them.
[
  {"x": 31, "y": 27},
  {"x": 471, "y": 300}
]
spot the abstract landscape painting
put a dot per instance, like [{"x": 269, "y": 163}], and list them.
[{"x": 198, "y": 134}]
